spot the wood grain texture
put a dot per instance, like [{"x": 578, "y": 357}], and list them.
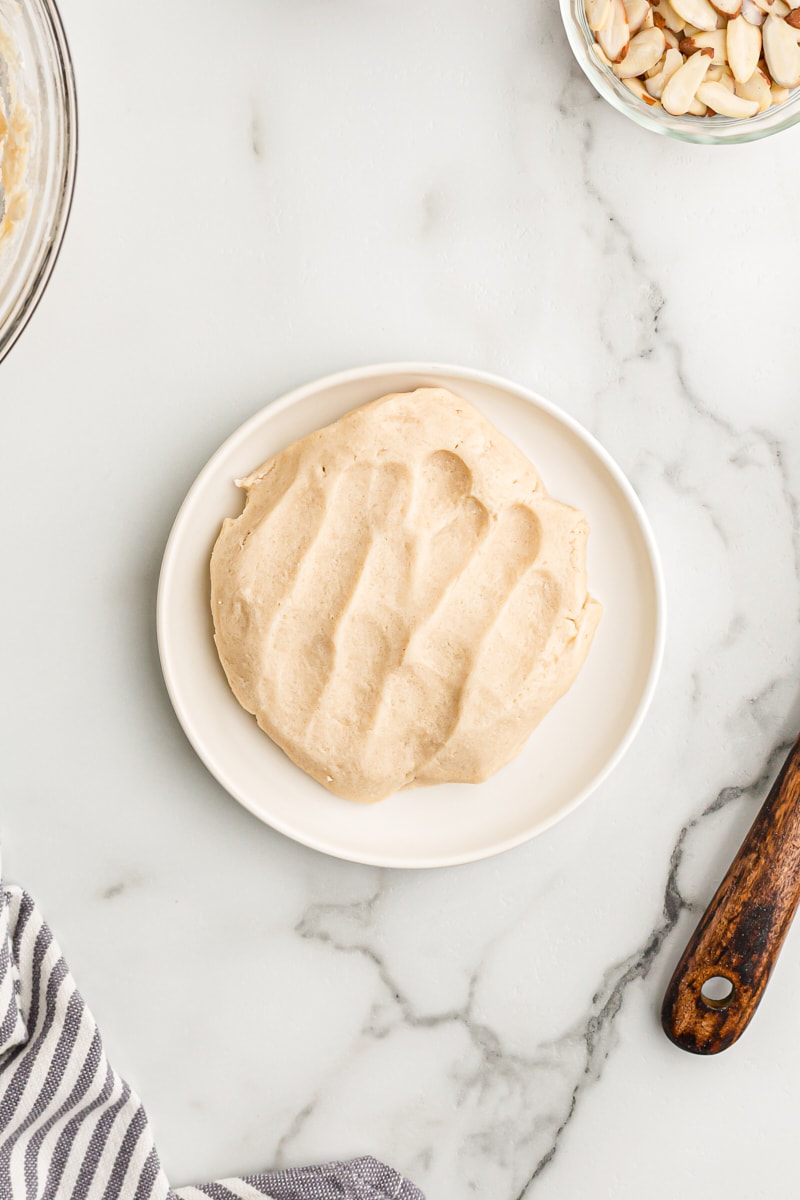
[{"x": 743, "y": 929}]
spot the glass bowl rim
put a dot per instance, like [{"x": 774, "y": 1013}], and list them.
[
  {"x": 719, "y": 131},
  {"x": 33, "y": 283}
]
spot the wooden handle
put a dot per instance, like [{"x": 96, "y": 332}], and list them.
[{"x": 741, "y": 933}]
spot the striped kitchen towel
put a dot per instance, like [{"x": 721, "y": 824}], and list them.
[{"x": 72, "y": 1129}]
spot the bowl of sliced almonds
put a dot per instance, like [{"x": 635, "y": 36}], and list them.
[{"x": 708, "y": 71}]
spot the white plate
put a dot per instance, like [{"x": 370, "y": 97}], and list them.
[{"x": 569, "y": 754}]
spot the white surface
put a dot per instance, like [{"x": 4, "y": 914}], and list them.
[
  {"x": 441, "y": 826},
  {"x": 270, "y": 191}
]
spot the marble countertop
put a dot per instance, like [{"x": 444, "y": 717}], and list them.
[{"x": 268, "y": 192}]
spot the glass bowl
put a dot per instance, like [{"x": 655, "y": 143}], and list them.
[
  {"x": 709, "y": 130},
  {"x": 46, "y": 88}
]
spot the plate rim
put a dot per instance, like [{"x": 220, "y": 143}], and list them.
[{"x": 453, "y": 372}]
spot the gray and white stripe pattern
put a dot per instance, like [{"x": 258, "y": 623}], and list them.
[{"x": 72, "y": 1129}]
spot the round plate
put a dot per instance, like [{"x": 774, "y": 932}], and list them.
[{"x": 451, "y": 823}]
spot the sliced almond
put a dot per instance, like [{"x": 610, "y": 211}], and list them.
[
  {"x": 659, "y": 67},
  {"x": 673, "y": 61},
  {"x": 781, "y": 52},
  {"x": 697, "y": 108},
  {"x": 691, "y": 30},
  {"x": 715, "y": 41},
  {"x": 655, "y": 86},
  {"x": 614, "y": 37},
  {"x": 776, "y": 7},
  {"x": 671, "y": 19},
  {"x": 680, "y": 91},
  {"x": 696, "y": 12},
  {"x": 649, "y": 21},
  {"x": 744, "y": 47},
  {"x": 756, "y": 88},
  {"x": 597, "y": 14},
  {"x": 670, "y": 38},
  {"x": 752, "y": 13},
  {"x": 793, "y": 18},
  {"x": 602, "y": 56},
  {"x": 637, "y": 87},
  {"x": 644, "y": 52},
  {"x": 636, "y": 11},
  {"x": 779, "y": 95},
  {"x": 717, "y": 96},
  {"x": 727, "y": 8},
  {"x": 727, "y": 80}
]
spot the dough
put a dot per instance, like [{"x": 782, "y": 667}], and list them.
[
  {"x": 401, "y": 602},
  {"x": 14, "y": 140}
]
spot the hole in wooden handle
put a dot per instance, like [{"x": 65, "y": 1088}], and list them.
[{"x": 717, "y": 992}]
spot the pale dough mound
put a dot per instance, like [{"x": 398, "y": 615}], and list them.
[{"x": 401, "y": 602}]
